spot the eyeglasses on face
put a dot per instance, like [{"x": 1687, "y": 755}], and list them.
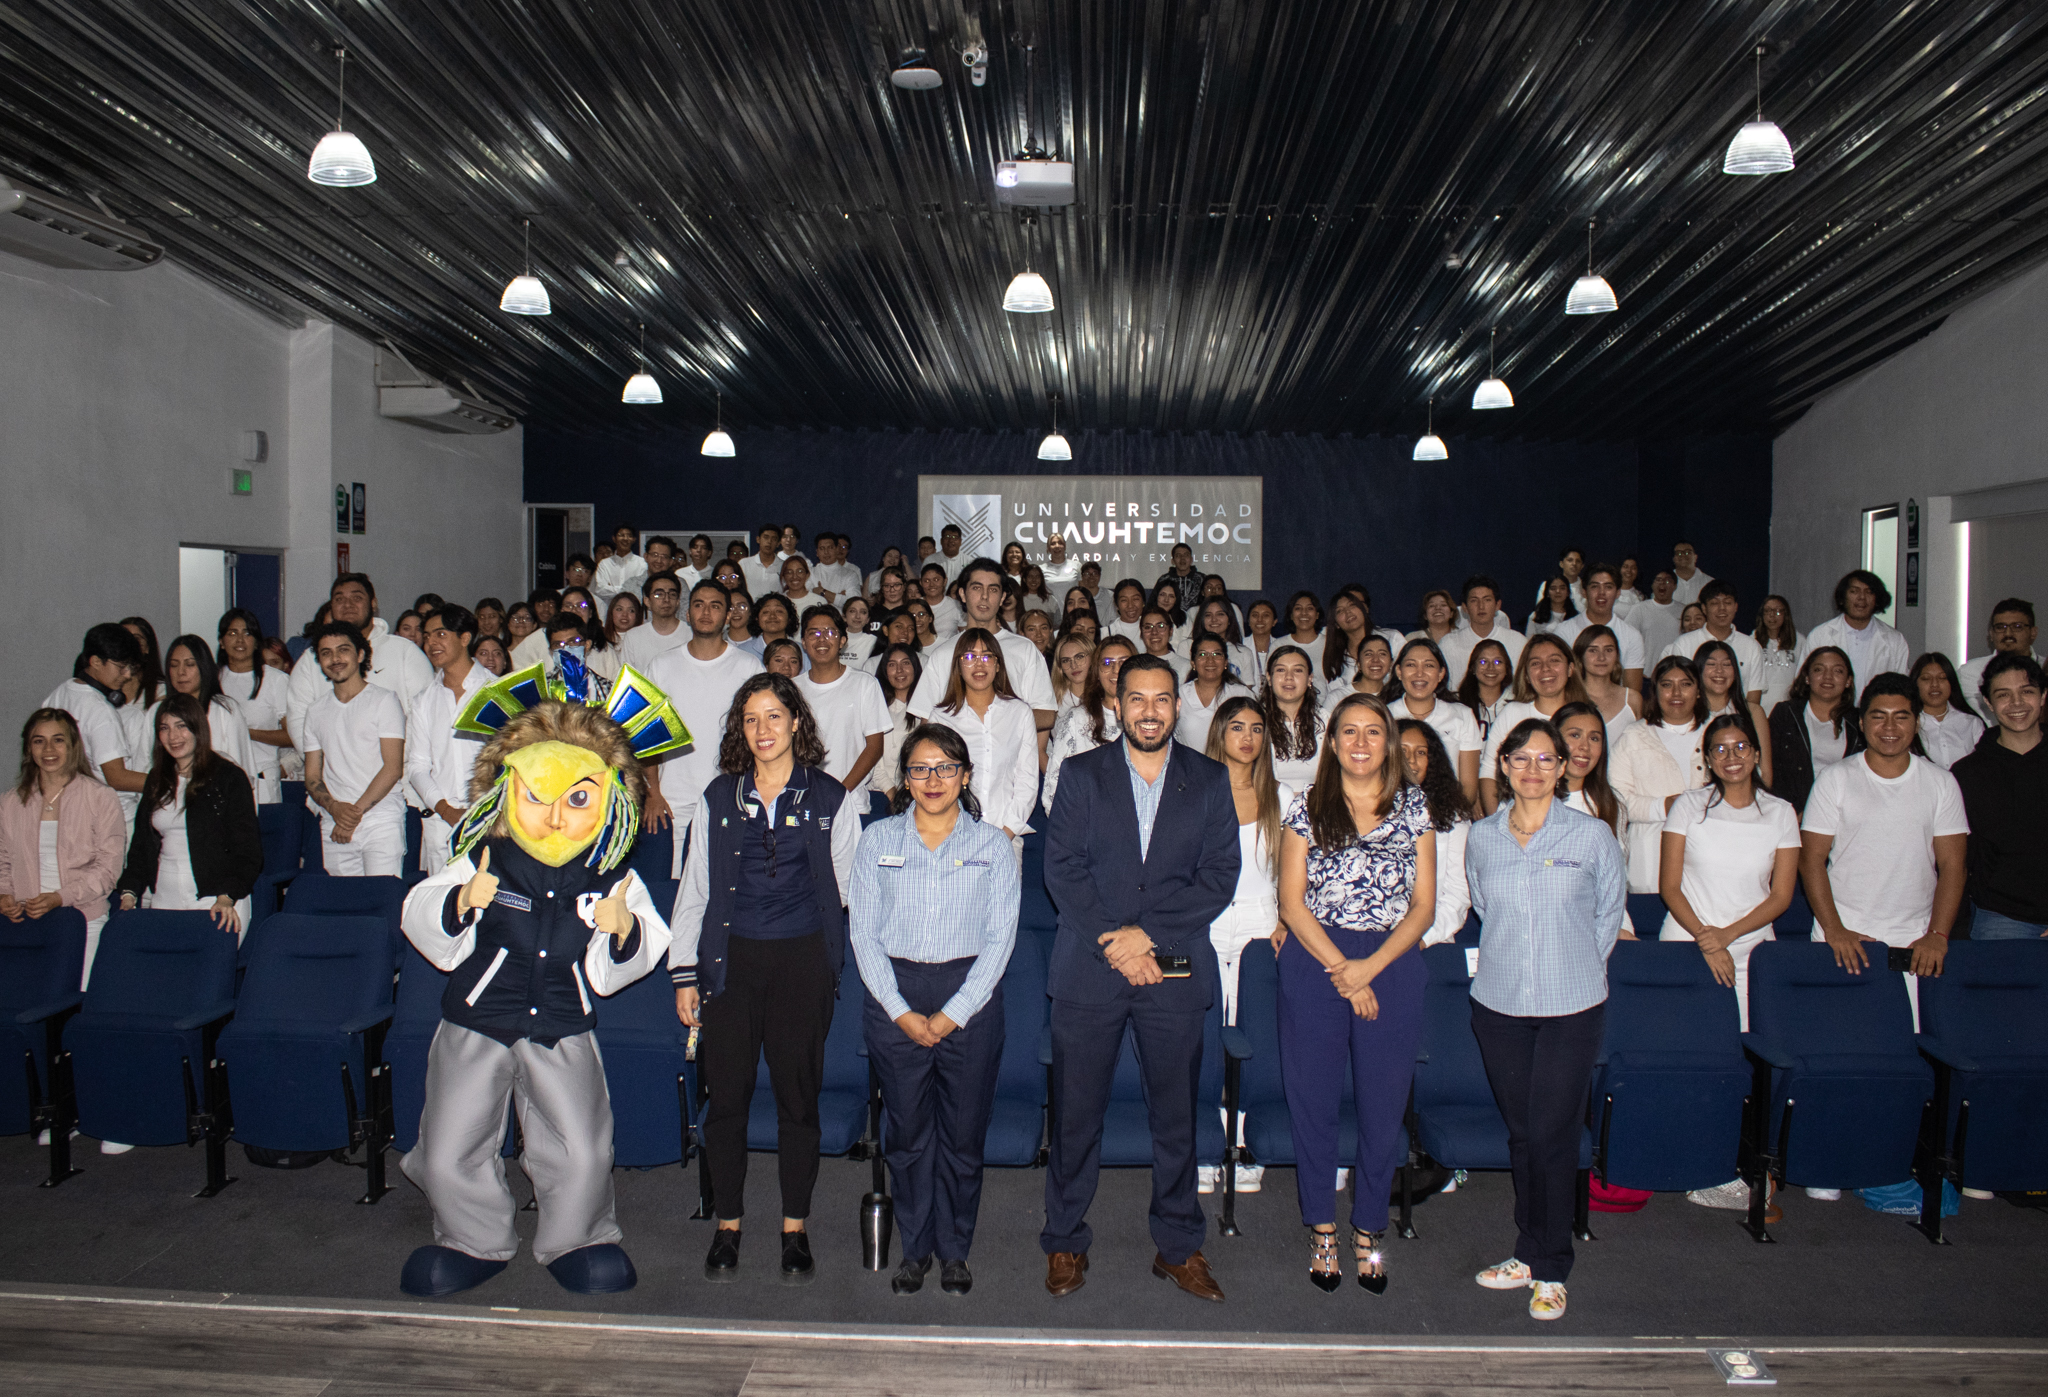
[
  {"x": 825, "y": 634},
  {"x": 2010, "y": 627},
  {"x": 976, "y": 657},
  {"x": 945, "y": 771},
  {"x": 1541, "y": 761},
  {"x": 1732, "y": 749}
]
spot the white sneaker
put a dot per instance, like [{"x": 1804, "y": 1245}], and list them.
[
  {"x": 1548, "y": 1301},
  {"x": 1979, "y": 1193},
  {"x": 1206, "y": 1176},
  {"x": 1251, "y": 1178},
  {"x": 1343, "y": 1179},
  {"x": 1733, "y": 1195},
  {"x": 1511, "y": 1274},
  {"x": 1457, "y": 1177},
  {"x": 43, "y": 1139},
  {"x": 1825, "y": 1195},
  {"x": 111, "y": 1147}
]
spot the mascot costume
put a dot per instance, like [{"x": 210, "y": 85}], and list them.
[{"x": 531, "y": 918}]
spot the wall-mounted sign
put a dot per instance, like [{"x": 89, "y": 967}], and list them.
[
  {"x": 1128, "y": 523},
  {"x": 358, "y": 509},
  {"x": 341, "y": 509},
  {"x": 340, "y": 559},
  {"x": 1913, "y": 577},
  {"x": 1912, "y": 523}
]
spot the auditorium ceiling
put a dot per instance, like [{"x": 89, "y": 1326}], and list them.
[{"x": 1291, "y": 215}]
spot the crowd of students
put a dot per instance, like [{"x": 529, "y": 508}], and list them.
[{"x": 1384, "y": 785}]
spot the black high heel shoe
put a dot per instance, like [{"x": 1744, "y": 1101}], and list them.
[
  {"x": 1372, "y": 1259},
  {"x": 1322, "y": 1261}
]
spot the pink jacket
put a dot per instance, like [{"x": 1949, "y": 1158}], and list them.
[{"x": 90, "y": 839}]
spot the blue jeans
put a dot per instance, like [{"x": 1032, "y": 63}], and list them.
[{"x": 1996, "y": 926}]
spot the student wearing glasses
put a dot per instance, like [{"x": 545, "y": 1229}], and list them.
[
  {"x": 999, "y": 730},
  {"x": 1549, "y": 885},
  {"x": 758, "y": 950},
  {"x": 933, "y": 903}
]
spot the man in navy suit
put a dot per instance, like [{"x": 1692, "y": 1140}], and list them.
[{"x": 1141, "y": 854}]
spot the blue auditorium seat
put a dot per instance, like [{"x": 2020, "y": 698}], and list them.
[
  {"x": 1668, "y": 1095},
  {"x": 415, "y": 847},
  {"x": 282, "y": 829},
  {"x": 650, "y": 1081},
  {"x": 309, "y": 825},
  {"x": 304, "y": 1055},
  {"x": 1839, "y": 1082},
  {"x": 317, "y": 894},
  {"x": 41, "y": 960},
  {"x": 1016, "y": 1123},
  {"x": 843, "y": 1098},
  {"x": 1984, "y": 1024},
  {"x": 1646, "y": 914},
  {"x": 415, "y": 1018},
  {"x": 142, "y": 1048}
]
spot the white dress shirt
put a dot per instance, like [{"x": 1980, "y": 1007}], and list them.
[
  {"x": 842, "y": 580},
  {"x": 1029, "y": 678},
  {"x": 438, "y": 759},
  {"x": 1004, "y": 748},
  {"x": 615, "y": 575},
  {"x": 1874, "y": 650}
]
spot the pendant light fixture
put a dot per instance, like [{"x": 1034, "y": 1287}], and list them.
[
  {"x": 341, "y": 160},
  {"x": 1591, "y": 295},
  {"x": 1054, "y": 447},
  {"x": 1493, "y": 392},
  {"x": 1430, "y": 446},
  {"x": 641, "y": 387},
  {"x": 718, "y": 443},
  {"x": 524, "y": 295},
  {"x": 1759, "y": 148},
  {"x": 1028, "y": 293}
]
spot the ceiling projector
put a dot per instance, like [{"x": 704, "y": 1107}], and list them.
[
  {"x": 914, "y": 74},
  {"x": 1042, "y": 183}
]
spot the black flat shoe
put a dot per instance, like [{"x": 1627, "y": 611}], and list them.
[
  {"x": 1322, "y": 1261},
  {"x": 955, "y": 1278},
  {"x": 1368, "y": 1248},
  {"x": 909, "y": 1277},
  {"x": 797, "y": 1267},
  {"x": 722, "y": 1262}
]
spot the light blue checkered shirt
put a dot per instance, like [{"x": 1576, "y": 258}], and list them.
[
  {"x": 933, "y": 905},
  {"x": 1551, "y": 912},
  {"x": 1145, "y": 795}
]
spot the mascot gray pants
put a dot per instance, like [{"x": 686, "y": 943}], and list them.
[{"x": 565, "y": 1119}]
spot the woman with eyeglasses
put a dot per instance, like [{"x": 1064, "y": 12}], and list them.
[
  {"x": 1156, "y": 632},
  {"x": 758, "y": 951},
  {"x": 1657, "y": 760},
  {"x": 1071, "y": 658},
  {"x": 1546, "y": 680},
  {"x": 1487, "y": 688},
  {"x": 1218, "y": 617},
  {"x": 999, "y": 730},
  {"x": 1550, "y": 885},
  {"x": 933, "y": 908},
  {"x": 1779, "y": 640},
  {"x": 922, "y": 615},
  {"x": 1209, "y": 686},
  {"x": 1815, "y": 726},
  {"x": 1088, "y": 724},
  {"x": 1293, "y": 723}
]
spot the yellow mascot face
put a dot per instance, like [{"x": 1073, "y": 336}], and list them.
[{"x": 558, "y": 799}]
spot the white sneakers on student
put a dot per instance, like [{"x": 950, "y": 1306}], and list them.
[
  {"x": 1209, "y": 1177},
  {"x": 1548, "y": 1301},
  {"x": 1825, "y": 1195},
  {"x": 1511, "y": 1274},
  {"x": 1733, "y": 1195}
]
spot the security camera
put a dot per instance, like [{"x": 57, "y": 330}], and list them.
[{"x": 975, "y": 59}]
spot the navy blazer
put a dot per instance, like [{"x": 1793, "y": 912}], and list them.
[{"x": 1099, "y": 883}]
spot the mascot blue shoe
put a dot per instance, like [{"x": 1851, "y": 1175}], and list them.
[
  {"x": 435, "y": 1271},
  {"x": 596, "y": 1270}
]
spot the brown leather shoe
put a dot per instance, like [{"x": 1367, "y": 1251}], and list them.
[
  {"x": 1065, "y": 1272},
  {"x": 1191, "y": 1275}
]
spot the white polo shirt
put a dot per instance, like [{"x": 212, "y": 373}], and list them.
[
  {"x": 848, "y": 711},
  {"x": 1686, "y": 590},
  {"x": 763, "y": 579}
]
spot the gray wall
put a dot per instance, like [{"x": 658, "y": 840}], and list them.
[
  {"x": 126, "y": 393},
  {"x": 1961, "y": 410}
]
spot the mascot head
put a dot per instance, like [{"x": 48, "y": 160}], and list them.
[{"x": 558, "y": 779}]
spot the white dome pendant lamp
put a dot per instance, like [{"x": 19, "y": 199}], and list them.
[
  {"x": 1590, "y": 295},
  {"x": 1054, "y": 447},
  {"x": 1028, "y": 293},
  {"x": 341, "y": 160},
  {"x": 1429, "y": 446},
  {"x": 524, "y": 295},
  {"x": 718, "y": 443},
  {"x": 641, "y": 387},
  {"x": 1493, "y": 392},
  {"x": 1759, "y": 148}
]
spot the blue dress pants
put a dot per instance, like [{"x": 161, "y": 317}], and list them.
[
  {"x": 938, "y": 1102},
  {"x": 1319, "y": 1034}
]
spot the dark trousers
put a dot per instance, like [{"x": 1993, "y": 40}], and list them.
[
  {"x": 1539, "y": 1069},
  {"x": 938, "y": 1100},
  {"x": 1319, "y": 1032},
  {"x": 1086, "y": 1039},
  {"x": 777, "y": 999}
]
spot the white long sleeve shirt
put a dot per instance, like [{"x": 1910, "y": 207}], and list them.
[
  {"x": 438, "y": 759},
  {"x": 1004, "y": 748},
  {"x": 615, "y": 575}
]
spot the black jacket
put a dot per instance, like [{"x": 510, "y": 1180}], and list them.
[
  {"x": 221, "y": 836},
  {"x": 1792, "y": 751},
  {"x": 2006, "y": 795}
]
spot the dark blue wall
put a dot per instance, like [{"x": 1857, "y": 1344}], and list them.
[{"x": 1337, "y": 509}]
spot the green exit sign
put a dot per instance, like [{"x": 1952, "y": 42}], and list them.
[{"x": 242, "y": 483}]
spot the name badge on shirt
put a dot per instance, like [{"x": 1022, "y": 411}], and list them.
[
  {"x": 789, "y": 820},
  {"x": 514, "y": 901},
  {"x": 890, "y": 861},
  {"x": 970, "y": 863},
  {"x": 1561, "y": 863}
]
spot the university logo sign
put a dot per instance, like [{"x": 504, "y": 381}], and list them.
[{"x": 979, "y": 518}]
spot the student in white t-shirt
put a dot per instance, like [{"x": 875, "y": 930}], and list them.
[
  {"x": 1156, "y": 637},
  {"x": 1483, "y": 621},
  {"x": 947, "y": 616},
  {"x": 700, "y": 679},
  {"x": 1423, "y": 696},
  {"x": 110, "y": 653},
  {"x": 1129, "y": 601},
  {"x": 1687, "y": 580},
  {"x": 1209, "y": 685},
  {"x": 1717, "y": 600},
  {"x": 1657, "y": 618},
  {"x": 1885, "y": 835},
  {"x": 847, "y": 706},
  {"x": 663, "y": 630},
  {"x": 355, "y": 761},
  {"x": 1949, "y": 728},
  {"x": 762, "y": 569},
  {"x": 1730, "y": 858}
]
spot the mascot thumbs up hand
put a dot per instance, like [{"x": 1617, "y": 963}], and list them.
[
  {"x": 613, "y": 916},
  {"x": 481, "y": 888}
]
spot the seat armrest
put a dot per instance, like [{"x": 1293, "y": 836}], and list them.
[
  {"x": 1045, "y": 1046},
  {"x": 1236, "y": 1044},
  {"x": 205, "y": 1018},
  {"x": 1765, "y": 1051},
  {"x": 369, "y": 1020},
  {"x": 38, "y": 1012},
  {"x": 1941, "y": 1052}
]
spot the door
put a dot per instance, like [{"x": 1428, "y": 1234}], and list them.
[
  {"x": 1881, "y": 553},
  {"x": 258, "y": 580},
  {"x": 550, "y": 547}
]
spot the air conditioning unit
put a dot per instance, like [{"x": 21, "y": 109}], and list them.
[
  {"x": 59, "y": 233},
  {"x": 408, "y": 395}
]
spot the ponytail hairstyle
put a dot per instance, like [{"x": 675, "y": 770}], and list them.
[{"x": 953, "y": 746}]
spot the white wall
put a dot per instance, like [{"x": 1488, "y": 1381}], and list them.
[
  {"x": 1958, "y": 411},
  {"x": 125, "y": 396}
]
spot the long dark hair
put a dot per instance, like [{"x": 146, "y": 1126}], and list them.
[
  {"x": 1443, "y": 682},
  {"x": 1543, "y": 615},
  {"x": 247, "y": 618},
  {"x": 1737, "y": 695},
  {"x": 1439, "y": 784},
  {"x": 209, "y": 672},
  {"x": 1738, "y": 720},
  {"x": 955, "y": 749},
  {"x": 162, "y": 784},
  {"x": 1599, "y": 792},
  {"x": 1230, "y": 632},
  {"x": 1329, "y": 813},
  {"x": 1333, "y": 660},
  {"x": 1956, "y": 697},
  {"x": 1287, "y": 617},
  {"x": 1762, "y": 634},
  {"x": 1093, "y": 694},
  {"x": 735, "y": 754},
  {"x": 149, "y": 676},
  {"x": 1801, "y": 692},
  {"x": 1265, "y": 789},
  {"x": 1655, "y": 717},
  {"x": 956, "y": 685},
  {"x": 897, "y": 647},
  {"x": 1296, "y": 740},
  {"x": 1468, "y": 687},
  {"x": 1179, "y": 612}
]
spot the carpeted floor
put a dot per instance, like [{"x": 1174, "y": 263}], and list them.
[{"x": 1671, "y": 1270}]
